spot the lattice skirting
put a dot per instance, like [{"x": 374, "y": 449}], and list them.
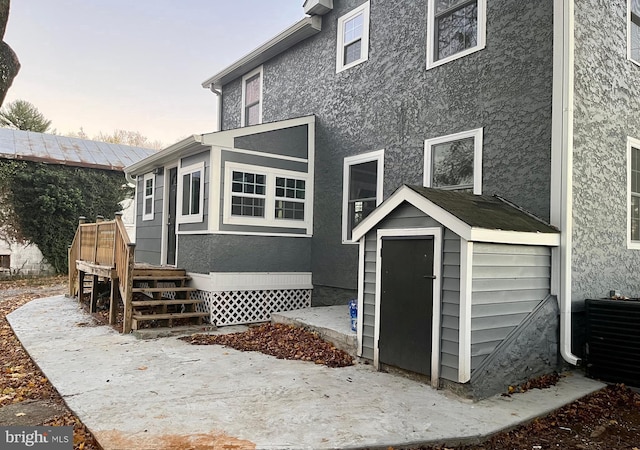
[{"x": 243, "y": 307}]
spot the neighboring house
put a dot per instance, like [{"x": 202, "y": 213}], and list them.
[
  {"x": 26, "y": 259},
  {"x": 536, "y": 102}
]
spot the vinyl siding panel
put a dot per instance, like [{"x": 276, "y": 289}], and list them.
[
  {"x": 149, "y": 232},
  {"x": 450, "y": 307},
  {"x": 369, "y": 296},
  {"x": 509, "y": 281}
]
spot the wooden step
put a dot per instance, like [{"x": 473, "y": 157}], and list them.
[
  {"x": 160, "y": 273},
  {"x": 161, "y": 278},
  {"x": 184, "y": 315},
  {"x": 164, "y": 289},
  {"x": 167, "y": 302}
]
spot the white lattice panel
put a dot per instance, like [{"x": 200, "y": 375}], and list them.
[{"x": 243, "y": 307}]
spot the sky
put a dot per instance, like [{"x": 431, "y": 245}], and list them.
[{"x": 134, "y": 65}]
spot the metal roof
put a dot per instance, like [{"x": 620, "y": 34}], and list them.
[{"x": 54, "y": 149}]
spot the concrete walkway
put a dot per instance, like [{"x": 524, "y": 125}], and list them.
[{"x": 166, "y": 394}]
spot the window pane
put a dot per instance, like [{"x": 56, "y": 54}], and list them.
[
  {"x": 635, "y": 34},
  {"x": 358, "y": 210},
  {"x": 289, "y": 210},
  {"x": 363, "y": 180},
  {"x": 443, "y": 5},
  {"x": 352, "y": 52},
  {"x": 247, "y": 206},
  {"x": 186, "y": 193},
  {"x": 148, "y": 205},
  {"x": 452, "y": 164},
  {"x": 635, "y": 218},
  {"x": 456, "y": 31},
  {"x": 635, "y": 7},
  {"x": 195, "y": 192},
  {"x": 252, "y": 90},
  {"x": 148, "y": 189},
  {"x": 353, "y": 28}
]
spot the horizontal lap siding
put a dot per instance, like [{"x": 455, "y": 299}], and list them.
[
  {"x": 450, "y": 307},
  {"x": 509, "y": 281},
  {"x": 369, "y": 295},
  {"x": 149, "y": 232}
]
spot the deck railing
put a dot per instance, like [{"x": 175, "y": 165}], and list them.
[{"x": 106, "y": 244}]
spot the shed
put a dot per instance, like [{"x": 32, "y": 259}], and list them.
[{"x": 457, "y": 287}]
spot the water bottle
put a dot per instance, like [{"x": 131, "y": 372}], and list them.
[{"x": 353, "y": 312}]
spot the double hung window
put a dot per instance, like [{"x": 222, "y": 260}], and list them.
[
  {"x": 456, "y": 28},
  {"x": 633, "y": 13},
  {"x": 191, "y": 198},
  {"x": 252, "y": 98},
  {"x": 353, "y": 38},
  {"x": 633, "y": 193},
  {"x": 148, "y": 196}
]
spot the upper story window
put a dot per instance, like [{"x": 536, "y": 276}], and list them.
[
  {"x": 633, "y": 193},
  {"x": 148, "y": 196},
  {"x": 353, "y": 38},
  {"x": 454, "y": 161},
  {"x": 456, "y": 28},
  {"x": 633, "y": 34},
  {"x": 252, "y": 98},
  {"x": 362, "y": 189},
  {"x": 266, "y": 196},
  {"x": 191, "y": 193}
]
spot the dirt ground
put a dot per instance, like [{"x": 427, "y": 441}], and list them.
[{"x": 606, "y": 420}]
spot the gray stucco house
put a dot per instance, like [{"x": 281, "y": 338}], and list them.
[{"x": 376, "y": 131}]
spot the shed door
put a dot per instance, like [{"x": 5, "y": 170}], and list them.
[{"x": 406, "y": 304}]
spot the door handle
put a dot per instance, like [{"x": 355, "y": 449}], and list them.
[{"x": 433, "y": 277}]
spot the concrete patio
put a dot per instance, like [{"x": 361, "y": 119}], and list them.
[{"x": 166, "y": 394}]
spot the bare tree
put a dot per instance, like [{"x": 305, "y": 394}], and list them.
[
  {"x": 9, "y": 64},
  {"x": 124, "y": 137}
]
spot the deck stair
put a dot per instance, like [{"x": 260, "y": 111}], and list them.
[
  {"x": 102, "y": 265},
  {"x": 162, "y": 298}
]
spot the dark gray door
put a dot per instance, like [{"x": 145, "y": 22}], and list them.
[
  {"x": 171, "y": 221},
  {"x": 406, "y": 304}
]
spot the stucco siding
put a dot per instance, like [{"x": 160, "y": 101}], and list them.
[
  {"x": 236, "y": 253},
  {"x": 392, "y": 102},
  {"x": 508, "y": 282},
  {"x": 606, "y": 105}
]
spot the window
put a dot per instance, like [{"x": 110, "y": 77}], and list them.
[
  {"x": 266, "y": 196},
  {"x": 249, "y": 193},
  {"x": 353, "y": 38},
  {"x": 362, "y": 189},
  {"x": 5, "y": 261},
  {"x": 456, "y": 29},
  {"x": 633, "y": 193},
  {"x": 191, "y": 193},
  {"x": 454, "y": 162},
  {"x": 633, "y": 33},
  {"x": 147, "y": 199},
  {"x": 252, "y": 98},
  {"x": 289, "y": 198}
]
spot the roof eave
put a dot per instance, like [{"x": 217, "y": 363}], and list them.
[
  {"x": 159, "y": 158},
  {"x": 298, "y": 32}
]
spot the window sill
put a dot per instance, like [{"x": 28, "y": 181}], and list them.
[{"x": 448, "y": 59}]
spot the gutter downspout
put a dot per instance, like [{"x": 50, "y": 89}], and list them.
[
  {"x": 218, "y": 107},
  {"x": 562, "y": 165}
]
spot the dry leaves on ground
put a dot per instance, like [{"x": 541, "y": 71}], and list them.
[
  {"x": 281, "y": 341},
  {"x": 20, "y": 378}
]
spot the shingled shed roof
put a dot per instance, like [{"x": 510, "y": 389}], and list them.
[
  {"x": 478, "y": 218},
  {"x": 53, "y": 149},
  {"x": 483, "y": 211}
]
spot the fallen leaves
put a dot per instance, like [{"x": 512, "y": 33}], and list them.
[
  {"x": 281, "y": 341},
  {"x": 20, "y": 378}
]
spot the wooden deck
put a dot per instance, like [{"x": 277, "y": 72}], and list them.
[{"x": 101, "y": 255}]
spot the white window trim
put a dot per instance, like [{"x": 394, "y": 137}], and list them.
[
  {"x": 631, "y": 144},
  {"x": 482, "y": 35},
  {"x": 244, "y": 90},
  {"x": 145, "y": 215},
  {"x": 269, "y": 198},
  {"x": 629, "y": 57},
  {"x": 364, "y": 55},
  {"x": 349, "y": 161},
  {"x": 477, "y": 155},
  {"x": 190, "y": 218}
]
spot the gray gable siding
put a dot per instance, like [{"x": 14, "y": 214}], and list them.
[
  {"x": 149, "y": 232},
  {"x": 508, "y": 282},
  {"x": 392, "y": 102},
  {"x": 369, "y": 296},
  {"x": 288, "y": 142},
  {"x": 606, "y": 105}
]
